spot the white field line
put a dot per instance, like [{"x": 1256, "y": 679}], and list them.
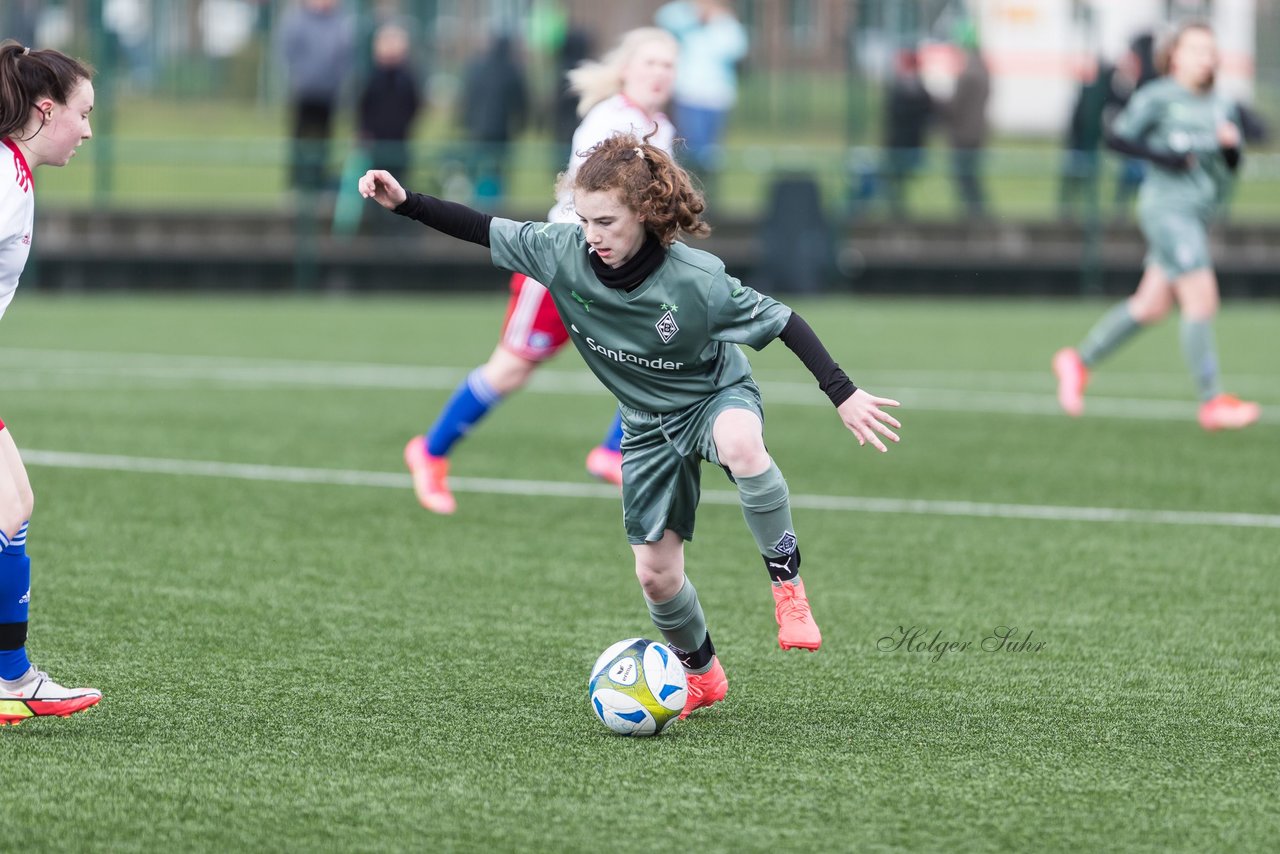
[
  {"x": 68, "y": 370},
  {"x": 558, "y": 489},
  {"x": 304, "y": 370}
]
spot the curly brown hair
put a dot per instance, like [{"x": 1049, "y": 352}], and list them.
[{"x": 647, "y": 180}]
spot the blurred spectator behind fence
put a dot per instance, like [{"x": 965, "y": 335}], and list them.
[
  {"x": 908, "y": 110},
  {"x": 390, "y": 102},
  {"x": 574, "y": 50},
  {"x": 493, "y": 109},
  {"x": 18, "y": 19},
  {"x": 316, "y": 41},
  {"x": 1096, "y": 104},
  {"x": 1134, "y": 70},
  {"x": 712, "y": 42},
  {"x": 966, "y": 122}
]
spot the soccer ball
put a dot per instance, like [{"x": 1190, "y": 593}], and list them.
[{"x": 637, "y": 687}]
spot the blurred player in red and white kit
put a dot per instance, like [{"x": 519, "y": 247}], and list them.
[
  {"x": 624, "y": 92},
  {"x": 45, "y": 101}
]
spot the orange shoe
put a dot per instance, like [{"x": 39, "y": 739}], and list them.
[
  {"x": 705, "y": 688},
  {"x": 605, "y": 464},
  {"x": 796, "y": 628},
  {"x": 1228, "y": 412},
  {"x": 1073, "y": 376},
  {"x": 430, "y": 477}
]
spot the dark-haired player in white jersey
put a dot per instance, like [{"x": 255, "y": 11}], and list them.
[
  {"x": 45, "y": 101},
  {"x": 660, "y": 325},
  {"x": 623, "y": 92}
]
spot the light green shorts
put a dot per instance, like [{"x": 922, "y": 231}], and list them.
[
  {"x": 1177, "y": 243},
  {"x": 662, "y": 458}
]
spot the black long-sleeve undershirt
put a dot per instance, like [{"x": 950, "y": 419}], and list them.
[
  {"x": 1135, "y": 148},
  {"x": 803, "y": 341},
  {"x": 473, "y": 226},
  {"x": 1167, "y": 159},
  {"x": 449, "y": 218}
]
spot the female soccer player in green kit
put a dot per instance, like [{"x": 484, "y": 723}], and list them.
[
  {"x": 1192, "y": 136},
  {"x": 659, "y": 324}
]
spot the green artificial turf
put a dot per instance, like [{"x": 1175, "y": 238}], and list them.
[{"x": 302, "y": 666}]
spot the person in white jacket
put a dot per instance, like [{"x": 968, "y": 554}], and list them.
[
  {"x": 623, "y": 92},
  {"x": 712, "y": 43}
]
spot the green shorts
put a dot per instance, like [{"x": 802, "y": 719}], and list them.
[
  {"x": 662, "y": 458},
  {"x": 1177, "y": 243}
]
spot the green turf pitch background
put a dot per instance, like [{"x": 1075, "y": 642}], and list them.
[{"x": 309, "y": 666}]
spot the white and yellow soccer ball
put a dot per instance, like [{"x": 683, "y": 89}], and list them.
[{"x": 637, "y": 687}]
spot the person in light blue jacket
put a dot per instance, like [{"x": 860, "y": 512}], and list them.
[{"x": 712, "y": 42}]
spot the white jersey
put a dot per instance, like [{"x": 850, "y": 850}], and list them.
[
  {"x": 618, "y": 114},
  {"x": 17, "y": 215}
]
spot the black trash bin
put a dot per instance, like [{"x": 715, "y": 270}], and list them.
[{"x": 797, "y": 249}]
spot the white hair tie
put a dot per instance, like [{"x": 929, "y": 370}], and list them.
[{"x": 26, "y": 51}]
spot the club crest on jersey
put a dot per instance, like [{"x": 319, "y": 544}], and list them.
[{"x": 667, "y": 327}]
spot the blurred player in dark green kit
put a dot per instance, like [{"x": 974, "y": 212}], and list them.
[
  {"x": 660, "y": 325},
  {"x": 1192, "y": 136}
]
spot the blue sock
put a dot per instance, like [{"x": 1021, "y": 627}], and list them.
[
  {"x": 471, "y": 401},
  {"x": 15, "y": 593},
  {"x": 613, "y": 439}
]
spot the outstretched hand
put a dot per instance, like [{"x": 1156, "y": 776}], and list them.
[
  {"x": 861, "y": 413},
  {"x": 1228, "y": 135},
  {"x": 381, "y": 186}
]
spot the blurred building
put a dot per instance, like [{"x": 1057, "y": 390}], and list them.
[{"x": 1038, "y": 50}]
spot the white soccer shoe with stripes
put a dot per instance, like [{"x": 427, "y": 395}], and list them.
[{"x": 35, "y": 695}]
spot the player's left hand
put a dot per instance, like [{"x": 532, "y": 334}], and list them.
[
  {"x": 862, "y": 414},
  {"x": 1228, "y": 135},
  {"x": 383, "y": 188}
]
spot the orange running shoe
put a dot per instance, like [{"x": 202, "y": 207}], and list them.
[
  {"x": 430, "y": 477},
  {"x": 1228, "y": 412},
  {"x": 705, "y": 688},
  {"x": 1073, "y": 376},
  {"x": 605, "y": 464},
  {"x": 34, "y": 695},
  {"x": 796, "y": 628}
]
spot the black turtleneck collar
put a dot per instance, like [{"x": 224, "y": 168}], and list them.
[{"x": 649, "y": 258}]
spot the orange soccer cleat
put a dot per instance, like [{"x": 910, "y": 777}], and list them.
[
  {"x": 605, "y": 464},
  {"x": 1228, "y": 412},
  {"x": 35, "y": 695},
  {"x": 1073, "y": 376},
  {"x": 705, "y": 688},
  {"x": 430, "y": 477},
  {"x": 796, "y": 628}
]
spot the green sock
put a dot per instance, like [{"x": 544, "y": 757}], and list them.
[
  {"x": 1202, "y": 356},
  {"x": 766, "y": 505},
  {"x": 682, "y": 623},
  {"x": 1115, "y": 328}
]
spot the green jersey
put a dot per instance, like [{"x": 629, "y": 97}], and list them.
[
  {"x": 667, "y": 344},
  {"x": 1166, "y": 117}
]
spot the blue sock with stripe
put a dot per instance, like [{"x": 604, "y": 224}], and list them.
[
  {"x": 471, "y": 402},
  {"x": 613, "y": 439},
  {"x": 15, "y": 594}
]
